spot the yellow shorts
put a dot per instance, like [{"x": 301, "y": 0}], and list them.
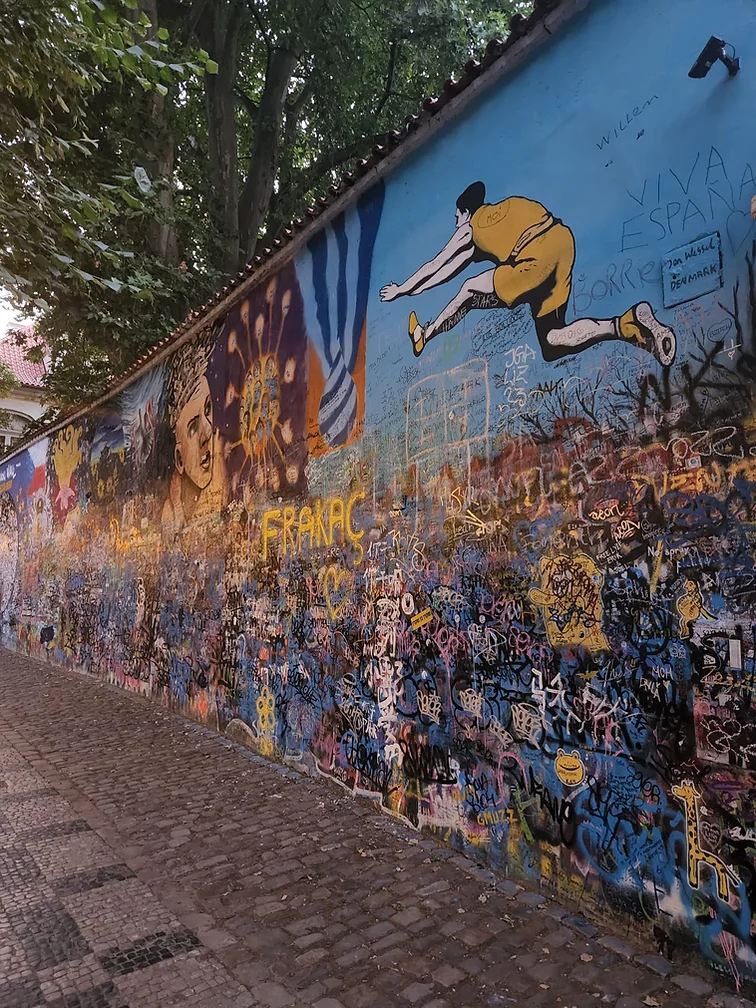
[{"x": 541, "y": 275}]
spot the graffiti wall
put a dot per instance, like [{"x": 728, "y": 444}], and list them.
[{"x": 458, "y": 508}]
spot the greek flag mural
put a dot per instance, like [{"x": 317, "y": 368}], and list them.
[{"x": 335, "y": 280}]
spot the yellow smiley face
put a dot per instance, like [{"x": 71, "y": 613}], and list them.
[{"x": 569, "y": 768}]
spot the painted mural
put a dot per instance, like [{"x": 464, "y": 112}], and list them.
[{"x": 495, "y": 569}]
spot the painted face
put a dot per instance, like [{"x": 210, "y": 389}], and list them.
[
  {"x": 461, "y": 216},
  {"x": 194, "y": 437}
]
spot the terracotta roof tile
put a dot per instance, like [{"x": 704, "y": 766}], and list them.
[{"x": 24, "y": 371}]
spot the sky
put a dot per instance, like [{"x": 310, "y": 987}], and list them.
[{"x": 9, "y": 317}]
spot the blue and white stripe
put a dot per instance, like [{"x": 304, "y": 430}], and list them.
[{"x": 335, "y": 291}]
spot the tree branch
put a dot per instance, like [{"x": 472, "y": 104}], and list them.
[
  {"x": 260, "y": 26},
  {"x": 249, "y": 105},
  {"x": 263, "y": 163},
  {"x": 196, "y": 12},
  {"x": 294, "y": 106},
  {"x": 389, "y": 80}
]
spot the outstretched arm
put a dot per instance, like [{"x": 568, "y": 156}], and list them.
[{"x": 453, "y": 257}]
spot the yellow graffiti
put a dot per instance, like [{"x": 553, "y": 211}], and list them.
[
  {"x": 266, "y": 720},
  {"x": 335, "y": 580},
  {"x": 493, "y": 817},
  {"x": 323, "y": 524},
  {"x": 690, "y": 607},
  {"x": 688, "y": 795},
  {"x": 570, "y": 595},
  {"x": 66, "y": 455},
  {"x": 569, "y": 767}
]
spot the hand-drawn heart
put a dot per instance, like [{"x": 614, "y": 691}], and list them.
[
  {"x": 739, "y": 227},
  {"x": 337, "y": 585}
]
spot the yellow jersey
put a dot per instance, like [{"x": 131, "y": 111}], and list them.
[{"x": 502, "y": 230}]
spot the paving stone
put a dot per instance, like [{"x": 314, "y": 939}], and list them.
[
  {"x": 728, "y": 1001},
  {"x": 186, "y": 981},
  {"x": 447, "y": 975},
  {"x": 656, "y": 963},
  {"x": 581, "y": 925},
  {"x": 217, "y": 880},
  {"x": 118, "y": 913},
  {"x": 85, "y": 880},
  {"x": 147, "y": 951},
  {"x": 617, "y": 946},
  {"x": 692, "y": 984},
  {"x": 416, "y": 992},
  {"x": 531, "y": 898}
]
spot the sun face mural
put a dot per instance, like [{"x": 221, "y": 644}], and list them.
[{"x": 266, "y": 383}]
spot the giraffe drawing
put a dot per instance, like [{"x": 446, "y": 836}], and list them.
[{"x": 689, "y": 796}]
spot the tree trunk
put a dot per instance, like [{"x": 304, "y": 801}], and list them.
[
  {"x": 261, "y": 171},
  {"x": 218, "y": 31},
  {"x": 161, "y": 149}
]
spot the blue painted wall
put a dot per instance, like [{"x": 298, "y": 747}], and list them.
[{"x": 497, "y": 574}]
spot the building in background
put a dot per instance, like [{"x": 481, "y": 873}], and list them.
[{"x": 23, "y": 403}]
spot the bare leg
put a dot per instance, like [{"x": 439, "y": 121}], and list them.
[
  {"x": 582, "y": 331},
  {"x": 469, "y": 293}
]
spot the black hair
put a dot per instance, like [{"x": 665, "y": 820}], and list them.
[{"x": 472, "y": 198}]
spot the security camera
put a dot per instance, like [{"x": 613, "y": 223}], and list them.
[{"x": 714, "y": 50}]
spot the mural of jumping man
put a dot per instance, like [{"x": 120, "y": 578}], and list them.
[{"x": 534, "y": 254}]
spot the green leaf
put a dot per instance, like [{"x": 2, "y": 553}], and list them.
[
  {"x": 163, "y": 34},
  {"x": 129, "y": 199},
  {"x": 67, "y": 260},
  {"x": 211, "y": 66}
]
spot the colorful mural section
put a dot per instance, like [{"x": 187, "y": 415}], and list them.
[{"x": 458, "y": 508}]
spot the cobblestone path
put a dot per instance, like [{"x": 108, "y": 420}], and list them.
[{"x": 146, "y": 863}]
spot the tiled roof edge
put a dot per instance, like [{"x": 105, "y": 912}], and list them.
[{"x": 477, "y": 76}]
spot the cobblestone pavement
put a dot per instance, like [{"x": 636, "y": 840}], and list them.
[{"x": 147, "y": 863}]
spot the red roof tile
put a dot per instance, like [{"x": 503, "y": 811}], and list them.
[{"x": 12, "y": 355}]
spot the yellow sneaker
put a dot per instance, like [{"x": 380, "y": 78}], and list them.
[
  {"x": 417, "y": 334},
  {"x": 640, "y": 326}
]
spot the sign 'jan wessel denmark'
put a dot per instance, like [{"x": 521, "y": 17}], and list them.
[{"x": 692, "y": 270}]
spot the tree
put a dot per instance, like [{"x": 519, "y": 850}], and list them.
[
  {"x": 61, "y": 206},
  {"x": 304, "y": 88},
  {"x": 184, "y": 172}
]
